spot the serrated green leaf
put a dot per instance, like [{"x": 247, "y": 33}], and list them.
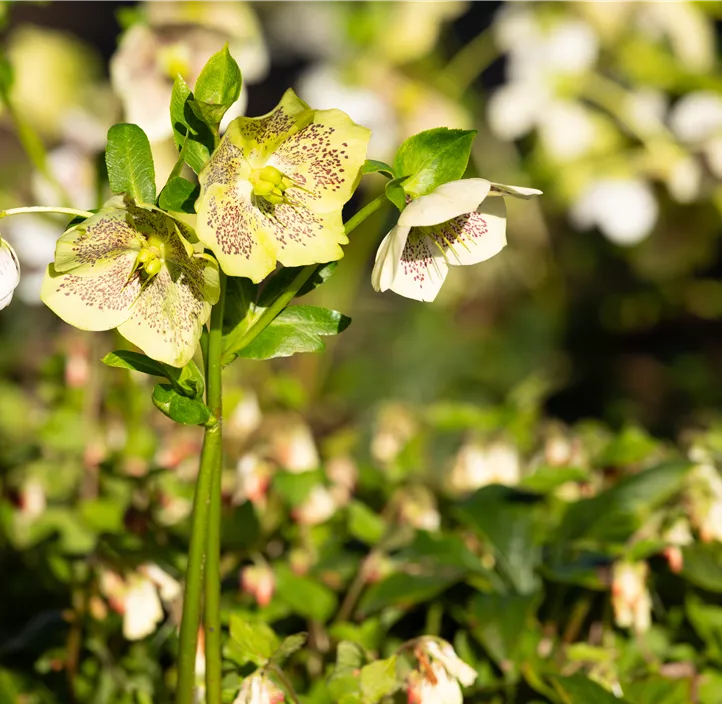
[
  {"x": 296, "y": 329},
  {"x": 378, "y": 680},
  {"x": 288, "y": 647},
  {"x": 179, "y": 196},
  {"x": 372, "y": 166},
  {"x": 433, "y": 157},
  {"x": 251, "y": 641},
  {"x": 129, "y": 161},
  {"x": 217, "y": 88},
  {"x": 191, "y": 134},
  {"x": 179, "y": 408}
]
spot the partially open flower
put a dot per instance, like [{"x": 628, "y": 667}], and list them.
[
  {"x": 129, "y": 268},
  {"x": 260, "y": 582},
  {"x": 258, "y": 689},
  {"x": 455, "y": 224},
  {"x": 274, "y": 188},
  {"x": 440, "y": 675},
  {"x": 9, "y": 273},
  {"x": 631, "y": 600}
]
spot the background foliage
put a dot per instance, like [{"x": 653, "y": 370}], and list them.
[{"x": 435, "y": 470}]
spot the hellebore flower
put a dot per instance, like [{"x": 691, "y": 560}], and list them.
[
  {"x": 631, "y": 600},
  {"x": 258, "y": 689},
  {"x": 129, "y": 268},
  {"x": 9, "y": 273},
  {"x": 458, "y": 223},
  {"x": 441, "y": 675},
  {"x": 274, "y": 188}
]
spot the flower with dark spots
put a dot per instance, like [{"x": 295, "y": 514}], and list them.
[
  {"x": 459, "y": 223},
  {"x": 275, "y": 186},
  {"x": 9, "y": 273},
  {"x": 129, "y": 267}
]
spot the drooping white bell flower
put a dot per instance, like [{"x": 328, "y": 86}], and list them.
[
  {"x": 455, "y": 224},
  {"x": 259, "y": 689},
  {"x": 9, "y": 273},
  {"x": 440, "y": 676},
  {"x": 631, "y": 600}
]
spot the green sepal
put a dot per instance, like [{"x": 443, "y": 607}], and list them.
[{"x": 433, "y": 157}]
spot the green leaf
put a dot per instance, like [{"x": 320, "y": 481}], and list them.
[
  {"x": 404, "y": 590},
  {"x": 433, "y": 157},
  {"x": 187, "y": 380},
  {"x": 395, "y": 192},
  {"x": 703, "y": 565},
  {"x": 378, "y": 680},
  {"x": 103, "y": 515},
  {"x": 613, "y": 515},
  {"x": 217, "y": 88},
  {"x": 372, "y": 166},
  {"x": 296, "y": 329},
  {"x": 507, "y": 519},
  {"x": 706, "y": 619},
  {"x": 190, "y": 133},
  {"x": 305, "y": 596},
  {"x": 251, "y": 641},
  {"x": 289, "y": 646},
  {"x": 179, "y": 408},
  {"x": 579, "y": 689},
  {"x": 130, "y": 163},
  {"x": 364, "y": 524},
  {"x": 179, "y": 196}
]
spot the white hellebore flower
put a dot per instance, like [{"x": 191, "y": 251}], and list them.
[
  {"x": 441, "y": 675},
  {"x": 631, "y": 600},
  {"x": 258, "y": 689},
  {"x": 455, "y": 224},
  {"x": 9, "y": 273}
]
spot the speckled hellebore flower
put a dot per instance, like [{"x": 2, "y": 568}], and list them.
[
  {"x": 9, "y": 273},
  {"x": 274, "y": 188},
  {"x": 129, "y": 268},
  {"x": 458, "y": 223}
]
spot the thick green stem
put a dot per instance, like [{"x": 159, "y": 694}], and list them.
[
  {"x": 214, "y": 399},
  {"x": 303, "y": 276},
  {"x": 206, "y": 512},
  {"x": 45, "y": 209}
]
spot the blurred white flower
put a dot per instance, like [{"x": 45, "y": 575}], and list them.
[
  {"x": 458, "y": 223},
  {"x": 696, "y": 119},
  {"x": 178, "y": 39},
  {"x": 75, "y": 171},
  {"x": 317, "y": 507},
  {"x": 631, "y": 600},
  {"x": 677, "y": 536},
  {"x": 417, "y": 508},
  {"x": 9, "y": 273},
  {"x": 258, "y": 689},
  {"x": 645, "y": 109},
  {"x": 245, "y": 418},
  {"x": 293, "y": 447},
  {"x": 625, "y": 210},
  {"x": 253, "y": 477},
  {"x": 395, "y": 426},
  {"x": 684, "y": 180},
  {"x": 260, "y": 582},
  {"x": 32, "y": 498},
  {"x": 138, "y": 598},
  {"x": 705, "y": 501},
  {"x": 440, "y": 675},
  {"x": 478, "y": 465}
]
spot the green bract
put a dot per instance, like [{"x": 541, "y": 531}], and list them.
[
  {"x": 129, "y": 267},
  {"x": 274, "y": 188}
]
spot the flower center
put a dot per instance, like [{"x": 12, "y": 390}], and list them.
[
  {"x": 270, "y": 184},
  {"x": 150, "y": 258}
]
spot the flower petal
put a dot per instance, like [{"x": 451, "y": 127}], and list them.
[
  {"x": 324, "y": 158},
  {"x": 259, "y": 137},
  {"x": 168, "y": 316},
  {"x": 300, "y": 236},
  {"x": 500, "y": 189},
  {"x": 99, "y": 297},
  {"x": 236, "y": 231},
  {"x": 388, "y": 256},
  {"x": 446, "y": 202},
  {"x": 475, "y": 237},
  {"x": 421, "y": 269},
  {"x": 9, "y": 273}
]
